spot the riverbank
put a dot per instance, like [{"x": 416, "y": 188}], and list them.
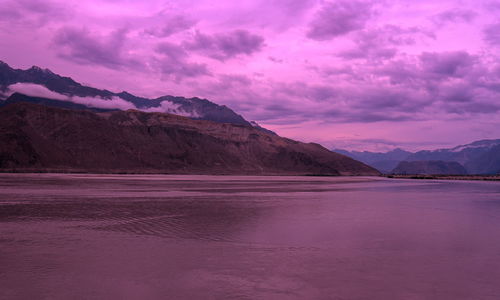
[{"x": 448, "y": 177}]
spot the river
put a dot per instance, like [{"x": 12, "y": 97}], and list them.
[{"x": 71, "y": 236}]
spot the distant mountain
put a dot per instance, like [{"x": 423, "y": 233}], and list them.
[
  {"x": 384, "y": 162},
  {"x": 66, "y": 89},
  {"x": 486, "y": 163},
  {"x": 479, "y": 157},
  {"x": 433, "y": 167},
  {"x": 38, "y": 138}
]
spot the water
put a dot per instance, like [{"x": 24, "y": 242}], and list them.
[{"x": 229, "y": 237}]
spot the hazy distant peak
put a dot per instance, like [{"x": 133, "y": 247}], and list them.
[{"x": 476, "y": 144}]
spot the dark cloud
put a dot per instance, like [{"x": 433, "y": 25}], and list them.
[
  {"x": 171, "y": 25},
  {"x": 338, "y": 18},
  {"x": 492, "y": 34},
  {"x": 234, "y": 80},
  {"x": 84, "y": 47},
  {"x": 279, "y": 15},
  {"x": 174, "y": 63},
  {"x": 32, "y": 12},
  {"x": 314, "y": 92},
  {"x": 224, "y": 46},
  {"x": 172, "y": 51},
  {"x": 454, "y": 16},
  {"x": 275, "y": 60},
  {"x": 447, "y": 64},
  {"x": 382, "y": 43}
]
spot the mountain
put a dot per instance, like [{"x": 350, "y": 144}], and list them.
[
  {"x": 384, "y": 162},
  {"x": 432, "y": 167},
  {"x": 486, "y": 163},
  {"x": 68, "y": 90},
  {"x": 42, "y": 138},
  {"x": 479, "y": 157}
]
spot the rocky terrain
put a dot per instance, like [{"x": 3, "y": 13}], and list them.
[{"x": 47, "y": 139}]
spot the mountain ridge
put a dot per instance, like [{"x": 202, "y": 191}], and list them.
[
  {"x": 38, "y": 138},
  {"x": 480, "y": 157},
  {"x": 194, "y": 107}
]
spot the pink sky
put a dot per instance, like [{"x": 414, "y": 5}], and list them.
[{"x": 370, "y": 75}]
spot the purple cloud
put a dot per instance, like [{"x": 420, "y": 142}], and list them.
[
  {"x": 382, "y": 43},
  {"x": 454, "y": 16},
  {"x": 84, "y": 47},
  {"x": 492, "y": 34},
  {"x": 338, "y": 18},
  {"x": 32, "y": 12},
  {"x": 173, "y": 62},
  {"x": 224, "y": 46},
  {"x": 447, "y": 64},
  {"x": 171, "y": 25}
]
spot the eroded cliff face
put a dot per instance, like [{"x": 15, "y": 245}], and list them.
[{"x": 39, "y": 138}]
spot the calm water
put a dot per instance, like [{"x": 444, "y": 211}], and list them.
[{"x": 227, "y": 237}]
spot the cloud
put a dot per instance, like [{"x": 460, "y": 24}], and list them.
[
  {"x": 171, "y": 25},
  {"x": 32, "y": 12},
  {"x": 113, "y": 103},
  {"x": 173, "y": 62},
  {"x": 172, "y": 108},
  {"x": 34, "y": 90},
  {"x": 491, "y": 34},
  {"x": 278, "y": 15},
  {"x": 447, "y": 64},
  {"x": 455, "y": 15},
  {"x": 383, "y": 42},
  {"x": 339, "y": 18},
  {"x": 224, "y": 46},
  {"x": 85, "y": 47}
]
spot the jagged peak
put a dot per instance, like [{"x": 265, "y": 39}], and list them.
[{"x": 38, "y": 69}]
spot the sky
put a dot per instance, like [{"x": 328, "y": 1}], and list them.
[{"x": 360, "y": 75}]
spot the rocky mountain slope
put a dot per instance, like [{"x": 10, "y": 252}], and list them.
[
  {"x": 433, "y": 167},
  {"x": 66, "y": 89},
  {"x": 41, "y": 138}
]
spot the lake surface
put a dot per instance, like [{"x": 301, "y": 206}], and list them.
[{"x": 231, "y": 237}]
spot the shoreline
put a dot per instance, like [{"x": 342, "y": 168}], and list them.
[{"x": 448, "y": 177}]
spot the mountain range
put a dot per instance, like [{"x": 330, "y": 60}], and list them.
[
  {"x": 41, "y": 83},
  {"x": 40, "y": 138},
  {"x": 51, "y": 123},
  {"x": 479, "y": 157}
]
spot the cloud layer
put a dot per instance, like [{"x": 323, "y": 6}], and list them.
[{"x": 343, "y": 73}]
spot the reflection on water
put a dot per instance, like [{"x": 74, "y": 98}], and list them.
[{"x": 229, "y": 237}]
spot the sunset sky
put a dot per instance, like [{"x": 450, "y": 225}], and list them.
[{"x": 370, "y": 75}]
